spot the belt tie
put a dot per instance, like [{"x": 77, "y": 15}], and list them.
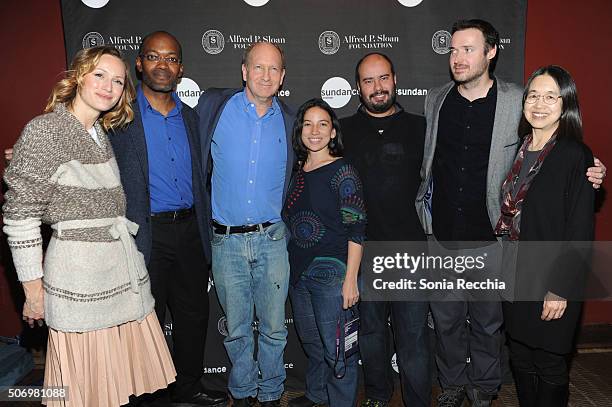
[{"x": 120, "y": 229}]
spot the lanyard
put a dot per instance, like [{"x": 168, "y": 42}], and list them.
[{"x": 341, "y": 337}]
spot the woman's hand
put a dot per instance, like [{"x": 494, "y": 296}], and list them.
[
  {"x": 553, "y": 307},
  {"x": 33, "y": 308},
  {"x": 350, "y": 292}
]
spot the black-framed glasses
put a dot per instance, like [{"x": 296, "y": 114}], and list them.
[
  {"x": 156, "y": 58},
  {"x": 548, "y": 99}
]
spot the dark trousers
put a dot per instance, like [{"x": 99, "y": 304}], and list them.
[
  {"x": 179, "y": 280},
  {"x": 411, "y": 337},
  {"x": 469, "y": 354},
  {"x": 548, "y": 366}
]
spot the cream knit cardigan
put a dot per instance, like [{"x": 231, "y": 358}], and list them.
[{"x": 93, "y": 275}]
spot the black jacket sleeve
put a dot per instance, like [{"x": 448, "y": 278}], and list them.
[{"x": 574, "y": 260}]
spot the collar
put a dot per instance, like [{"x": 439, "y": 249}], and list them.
[
  {"x": 398, "y": 109},
  {"x": 145, "y": 106},
  {"x": 490, "y": 93},
  {"x": 61, "y": 109},
  {"x": 246, "y": 103}
]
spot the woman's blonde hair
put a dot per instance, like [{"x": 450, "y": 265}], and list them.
[{"x": 84, "y": 62}]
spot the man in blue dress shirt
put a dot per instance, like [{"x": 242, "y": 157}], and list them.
[
  {"x": 247, "y": 134},
  {"x": 159, "y": 162}
]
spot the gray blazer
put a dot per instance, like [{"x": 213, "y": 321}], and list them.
[{"x": 504, "y": 143}]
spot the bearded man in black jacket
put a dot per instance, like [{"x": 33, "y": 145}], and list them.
[{"x": 385, "y": 143}]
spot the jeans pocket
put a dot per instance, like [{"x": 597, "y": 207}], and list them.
[
  {"x": 275, "y": 232},
  {"x": 217, "y": 239},
  {"x": 326, "y": 270}
]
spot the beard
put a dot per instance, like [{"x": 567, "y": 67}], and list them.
[
  {"x": 466, "y": 78},
  {"x": 158, "y": 87},
  {"x": 381, "y": 107}
]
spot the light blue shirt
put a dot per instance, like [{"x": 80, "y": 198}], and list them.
[{"x": 249, "y": 160}]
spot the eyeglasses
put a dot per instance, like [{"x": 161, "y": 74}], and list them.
[
  {"x": 548, "y": 99},
  {"x": 156, "y": 58}
]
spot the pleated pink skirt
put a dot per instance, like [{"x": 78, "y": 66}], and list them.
[{"x": 104, "y": 368}]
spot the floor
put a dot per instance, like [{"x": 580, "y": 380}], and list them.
[{"x": 590, "y": 381}]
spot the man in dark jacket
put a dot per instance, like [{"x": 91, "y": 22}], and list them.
[
  {"x": 247, "y": 152},
  {"x": 385, "y": 143},
  {"x": 159, "y": 160}
]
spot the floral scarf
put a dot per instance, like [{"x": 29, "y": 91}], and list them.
[{"x": 510, "y": 220}]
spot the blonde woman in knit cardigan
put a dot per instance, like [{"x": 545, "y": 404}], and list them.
[{"x": 92, "y": 288}]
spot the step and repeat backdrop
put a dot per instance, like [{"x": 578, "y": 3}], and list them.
[{"x": 322, "y": 41}]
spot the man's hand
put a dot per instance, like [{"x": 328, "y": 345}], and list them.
[
  {"x": 8, "y": 156},
  {"x": 597, "y": 173}
]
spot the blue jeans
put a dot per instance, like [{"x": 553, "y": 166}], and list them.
[
  {"x": 251, "y": 274},
  {"x": 316, "y": 300},
  {"x": 411, "y": 337}
]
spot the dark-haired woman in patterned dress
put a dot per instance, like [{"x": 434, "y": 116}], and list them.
[{"x": 326, "y": 215}]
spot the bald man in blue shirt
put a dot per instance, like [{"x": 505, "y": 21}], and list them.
[{"x": 247, "y": 134}]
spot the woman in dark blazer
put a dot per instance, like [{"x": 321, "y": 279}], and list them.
[{"x": 547, "y": 199}]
